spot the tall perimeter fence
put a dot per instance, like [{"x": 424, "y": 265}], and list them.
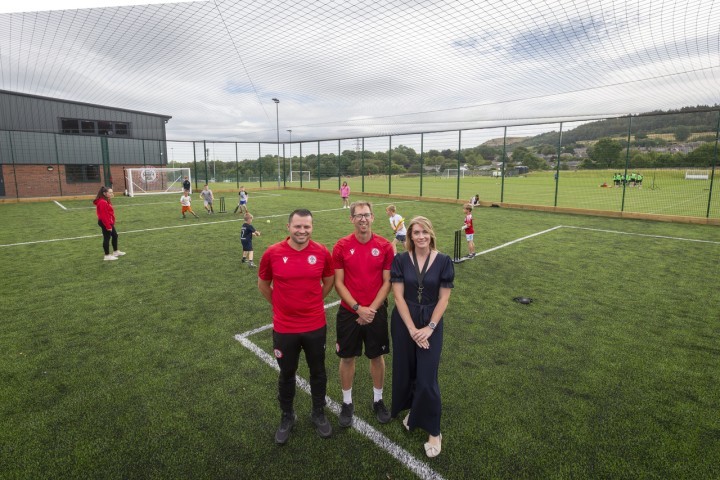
[{"x": 656, "y": 165}]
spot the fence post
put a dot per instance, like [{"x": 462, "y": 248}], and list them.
[
  {"x": 390, "y": 165},
  {"x": 57, "y": 163},
  {"x": 195, "y": 164},
  {"x": 237, "y": 168},
  {"x": 714, "y": 162},
  {"x": 627, "y": 163},
  {"x": 502, "y": 170},
  {"x": 362, "y": 164},
  {"x": 557, "y": 166},
  {"x": 260, "y": 164},
  {"x": 301, "y": 168},
  {"x": 457, "y": 193},
  {"x": 422, "y": 165},
  {"x": 106, "y": 161}
]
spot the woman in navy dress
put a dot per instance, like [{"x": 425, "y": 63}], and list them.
[{"x": 422, "y": 279}]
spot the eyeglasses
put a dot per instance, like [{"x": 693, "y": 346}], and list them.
[{"x": 360, "y": 216}]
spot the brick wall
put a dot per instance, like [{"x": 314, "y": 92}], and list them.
[{"x": 29, "y": 181}]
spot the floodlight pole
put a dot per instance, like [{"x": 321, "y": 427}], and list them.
[
  {"x": 290, "y": 131},
  {"x": 277, "y": 129}
]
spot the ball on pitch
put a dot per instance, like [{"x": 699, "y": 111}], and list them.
[{"x": 268, "y": 221}]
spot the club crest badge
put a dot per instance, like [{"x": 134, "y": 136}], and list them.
[
  {"x": 312, "y": 260},
  {"x": 375, "y": 252},
  {"x": 278, "y": 353}
]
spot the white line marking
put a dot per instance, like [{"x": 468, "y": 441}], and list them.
[
  {"x": 165, "y": 228},
  {"x": 643, "y": 235},
  {"x": 419, "y": 468},
  {"x": 59, "y": 205},
  {"x": 123, "y": 205},
  {"x": 518, "y": 240}
]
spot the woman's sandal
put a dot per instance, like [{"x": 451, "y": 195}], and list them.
[{"x": 433, "y": 451}]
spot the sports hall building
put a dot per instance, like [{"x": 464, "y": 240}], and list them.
[{"x": 54, "y": 147}]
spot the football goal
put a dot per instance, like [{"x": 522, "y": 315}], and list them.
[
  {"x": 152, "y": 180},
  {"x": 697, "y": 175},
  {"x": 300, "y": 175},
  {"x": 453, "y": 173}
]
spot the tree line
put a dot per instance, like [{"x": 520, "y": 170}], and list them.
[{"x": 657, "y": 140}]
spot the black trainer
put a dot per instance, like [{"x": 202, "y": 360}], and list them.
[
  {"x": 346, "y": 415},
  {"x": 322, "y": 425},
  {"x": 287, "y": 422},
  {"x": 381, "y": 411}
]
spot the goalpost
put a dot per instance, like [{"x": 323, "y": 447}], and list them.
[
  {"x": 697, "y": 175},
  {"x": 453, "y": 173},
  {"x": 297, "y": 175},
  {"x": 152, "y": 180}
]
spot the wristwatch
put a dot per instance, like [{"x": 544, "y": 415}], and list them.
[
  {"x": 356, "y": 307},
  {"x": 432, "y": 325}
]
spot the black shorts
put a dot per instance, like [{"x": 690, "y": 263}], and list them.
[
  {"x": 247, "y": 245},
  {"x": 351, "y": 336}
]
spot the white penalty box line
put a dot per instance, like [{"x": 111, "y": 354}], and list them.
[{"x": 419, "y": 468}]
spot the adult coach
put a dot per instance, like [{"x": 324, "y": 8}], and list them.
[
  {"x": 295, "y": 275},
  {"x": 362, "y": 262},
  {"x": 422, "y": 279},
  {"x": 106, "y": 221}
]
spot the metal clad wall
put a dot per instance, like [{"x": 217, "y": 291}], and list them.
[
  {"x": 30, "y": 127},
  {"x": 77, "y": 149},
  {"x": 28, "y": 113}
]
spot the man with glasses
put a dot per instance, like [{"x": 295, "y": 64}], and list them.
[{"x": 362, "y": 262}]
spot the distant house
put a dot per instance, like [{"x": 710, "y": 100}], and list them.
[
  {"x": 580, "y": 152},
  {"x": 50, "y": 146}
]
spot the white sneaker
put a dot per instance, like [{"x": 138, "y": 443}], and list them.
[
  {"x": 118, "y": 253},
  {"x": 110, "y": 257}
]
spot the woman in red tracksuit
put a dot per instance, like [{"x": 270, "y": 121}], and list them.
[{"x": 106, "y": 221}]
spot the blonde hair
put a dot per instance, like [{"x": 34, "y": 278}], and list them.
[
  {"x": 427, "y": 225},
  {"x": 248, "y": 216},
  {"x": 468, "y": 207},
  {"x": 390, "y": 208}
]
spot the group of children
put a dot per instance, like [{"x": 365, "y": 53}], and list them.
[
  {"x": 632, "y": 179},
  {"x": 399, "y": 231},
  {"x": 397, "y": 222},
  {"x": 247, "y": 231}
]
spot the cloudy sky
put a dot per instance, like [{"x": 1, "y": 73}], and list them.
[{"x": 345, "y": 69}]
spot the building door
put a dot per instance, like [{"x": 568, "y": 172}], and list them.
[{"x": 2, "y": 182}]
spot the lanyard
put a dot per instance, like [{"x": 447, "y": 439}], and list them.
[{"x": 420, "y": 274}]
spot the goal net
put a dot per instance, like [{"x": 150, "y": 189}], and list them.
[
  {"x": 300, "y": 175},
  {"x": 453, "y": 173},
  {"x": 697, "y": 175},
  {"x": 151, "y": 180}
]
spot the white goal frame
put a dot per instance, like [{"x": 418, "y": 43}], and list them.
[
  {"x": 300, "y": 174},
  {"x": 453, "y": 173},
  {"x": 697, "y": 174},
  {"x": 155, "y": 180}
]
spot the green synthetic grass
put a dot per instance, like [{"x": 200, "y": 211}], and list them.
[
  {"x": 664, "y": 192},
  {"x": 130, "y": 369}
]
